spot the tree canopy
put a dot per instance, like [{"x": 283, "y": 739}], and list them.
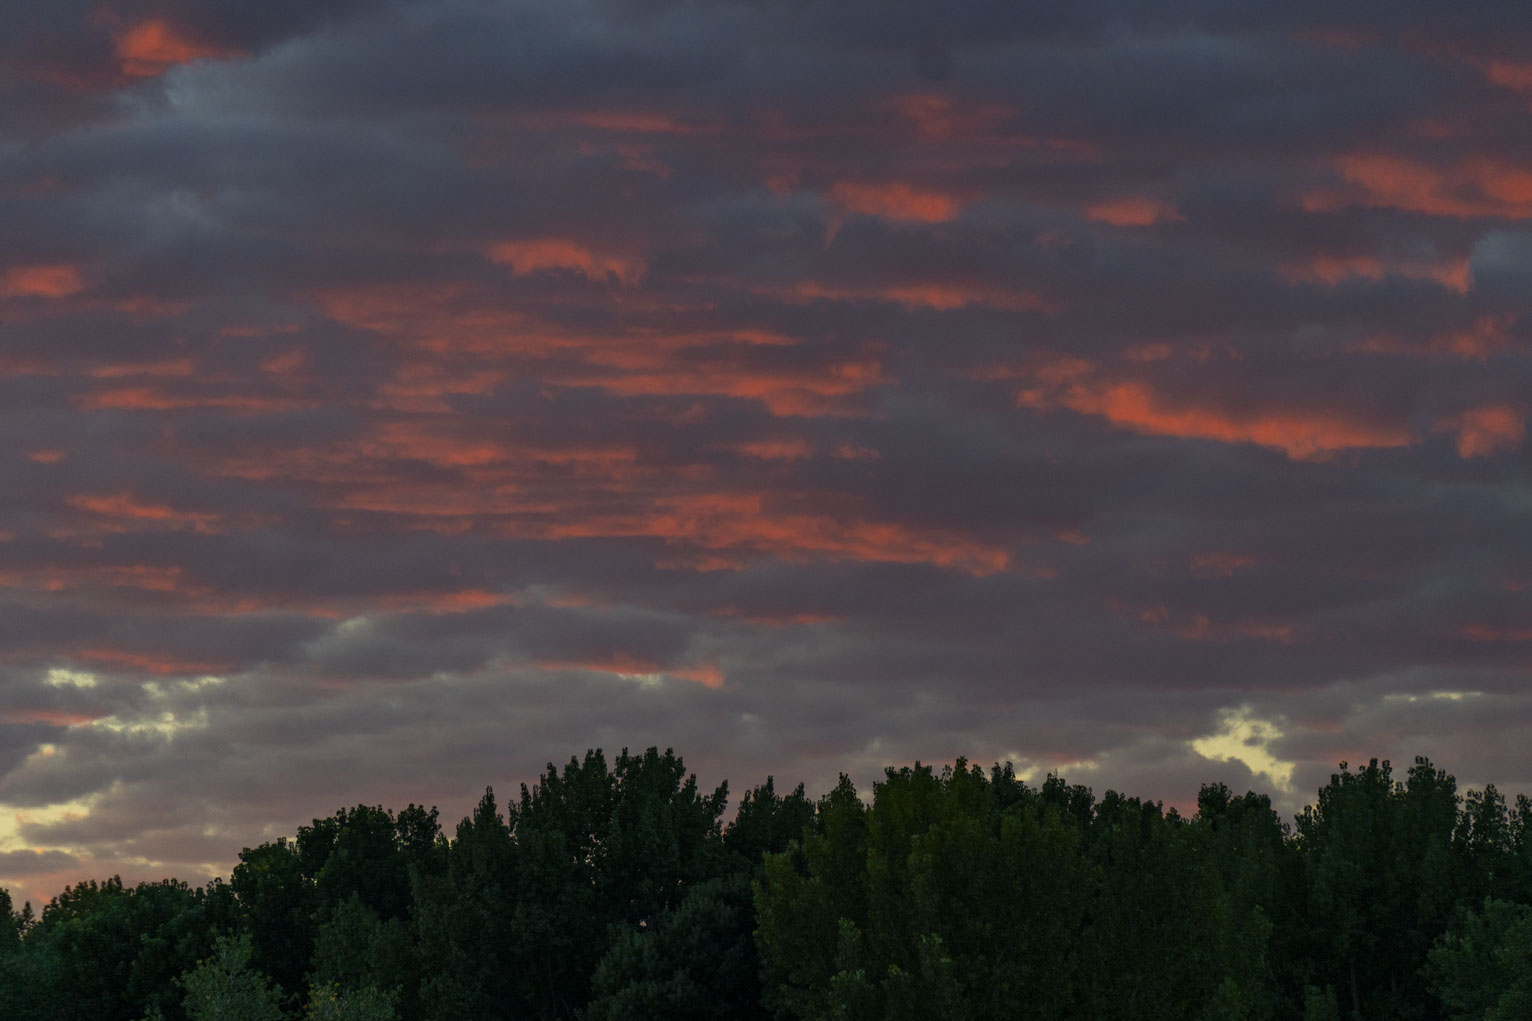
[{"x": 614, "y": 890}]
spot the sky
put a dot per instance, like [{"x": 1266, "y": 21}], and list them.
[{"x": 398, "y": 396}]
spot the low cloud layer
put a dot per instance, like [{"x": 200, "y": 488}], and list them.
[{"x": 394, "y": 397}]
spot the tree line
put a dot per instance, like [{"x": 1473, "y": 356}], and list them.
[{"x": 614, "y": 891}]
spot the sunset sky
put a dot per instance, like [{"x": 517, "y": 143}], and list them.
[{"x": 397, "y": 396}]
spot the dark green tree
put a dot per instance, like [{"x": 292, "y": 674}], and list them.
[
  {"x": 227, "y": 987},
  {"x": 1383, "y": 882},
  {"x": 766, "y": 823},
  {"x": 367, "y": 852},
  {"x": 465, "y": 921},
  {"x": 277, "y": 904},
  {"x": 598, "y": 852},
  {"x": 698, "y": 958},
  {"x": 805, "y": 893},
  {"x": 356, "y": 951},
  {"x": 1167, "y": 939},
  {"x": 956, "y": 895},
  {"x": 1260, "y": 871},
  {"x": 329, "y": 1003},
  {"x": 695, "y": 963},
  {"x": 29, "y": 970},
  {"x": 1481, "y": 968},
  {"x": 106, "y": 951},
  {"x": 10, "y": 925}
]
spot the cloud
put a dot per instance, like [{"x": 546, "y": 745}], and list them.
[
  {"x": 1132, "y": 211},
  {"x": 1486, "y": 430},
  {"x": 1134, "y": 390},
  {"x": 560, "y": 254},
  {"x": 1300, "y": 433},
  {"x": 20, "y": 864},
  {"x": 1243, "y": 738},
  {"x": 150, "y": 48},
  {"x": 1471, "y": 188},
  {"x": 40, "y": 282},
  {"x": 895, "y": 200}
]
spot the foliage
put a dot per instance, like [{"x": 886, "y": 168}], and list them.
[
  {"x": 600, "y": 851},
  {"x": 225, "y": 987},
  {"x": 105, "y": 951},
  {"x": 1385, "y": 872},
  {"x": 330, "y": 1003},
  {"x": 357, "y": 950},
  {"x": 695, "y": 963},
  {"x": 611, "y": 890},
  {"x": 1482, "y": 967},
  {"x": 277, "y": 902},
  {"x": 964, "y": 895}
]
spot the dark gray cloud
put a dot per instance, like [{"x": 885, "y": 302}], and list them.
[{"x": 397, "y": 397}]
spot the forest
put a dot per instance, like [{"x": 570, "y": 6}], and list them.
[{"x": 614, "y": 890}]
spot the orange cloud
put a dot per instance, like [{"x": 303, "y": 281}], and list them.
[
  {"x": 437, "y": 603},
  {"x": 894, "y": 201},
  {"x": 938, "y": 117},
  {"x": 142, "y": 577},
  {"x": 1154, "y": 351},
  {"x": 191, "y": 597},
  {"x": 1517, "y": 77},
  {"x": 421, "y": 386},
  {"x": 626, "y": 122},
  {"x": 707, "y": 674},
  {"x": 143, "y": 398},
  {"x": 1201, "y": 627},
  {"x": 1490, "y": 633},
  {"x": 1300, "y": 433},
  {"x": 1472, "y": 188},
  {"x": 460, "y": 445},
  {"x": 151, "y": 48},
  {"x": 1264, "y": 630},
  {"x": 447, "y": 510},
  {"x": 1221, "y": 565},
  {"x": 775, "y": 450},
  {"x": 124, "y": 507},
  {"x": 171, "y": 368},
  {"x": 421, "y": 443},
  {"x": 152, "y": 663},
  {"x": 556, "y": 493},
  {"x": 855, "y": 452},
  {"x": 744, "y": 524},
  {"x": 1488, "y": 336},
  {"x": 456, "y": 333},
  {"x": 463, "y": 338},
  {"x": 51, "y": 717},
  {"x": 1486, "y": 430},
  {"x": 142, "y": 307},
  {"x": 785, "y": 391},
  {"x": 1452, "y": 273},
  {"x": 55, "y": 281},
  {"x": 633, "y": 122},
  {"x": 17, "y": 365},
  {"x": 775, "y": 620},
  {"x": 939, "y": 297},
  {"x": 286, "y": 363},
  {"x": 1133, "y": 211},
  {"x": 541, "y": 254}
]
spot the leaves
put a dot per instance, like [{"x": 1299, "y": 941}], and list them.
[
  {"x": 226, "y": 987},
  {"x": 610, "y": 890}
]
